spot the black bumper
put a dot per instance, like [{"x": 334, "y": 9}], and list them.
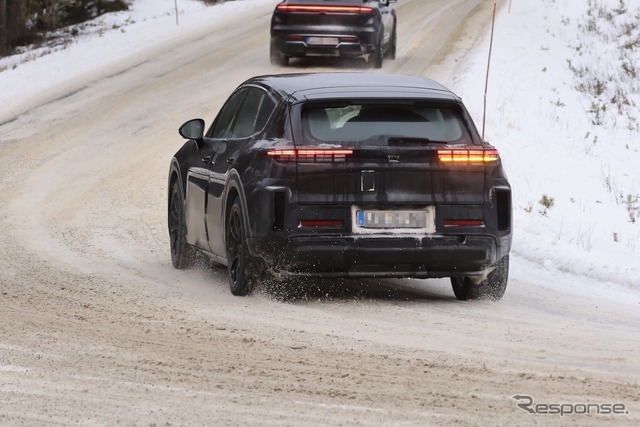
[
  {"x": 296, "y": 43},
  {"x": 419, "y": 257}
]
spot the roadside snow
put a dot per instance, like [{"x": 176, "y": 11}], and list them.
[
  {"x": 541, "y": 118},
  {"x": 588, "y": 241},
  {"x": 103, "y": 43}
]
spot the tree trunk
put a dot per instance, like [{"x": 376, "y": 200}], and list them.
[
  {"x": 12, "y": 24},
  {"x": 4, "y": 45}
]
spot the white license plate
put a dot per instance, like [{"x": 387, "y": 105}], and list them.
[
  {"x": 410, "y": 220},
  {"x": 322, "y": 41}
]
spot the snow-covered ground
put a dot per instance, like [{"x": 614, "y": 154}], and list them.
[
  {"x": 561, "y": 107},
  {"x": 553, "y": 61}
]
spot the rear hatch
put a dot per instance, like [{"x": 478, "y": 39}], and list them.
[
  {"x": 392, "y": 154},
  {"x": 320, "y": 16}
]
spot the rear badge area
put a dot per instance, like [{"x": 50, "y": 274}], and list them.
[{"x": 367, "y": 181}]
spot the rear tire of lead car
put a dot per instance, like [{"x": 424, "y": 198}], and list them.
[
  {"x": 492, "y": 289},
  {"x": 391, "y": 51},
  {"x": 182, "y": 254},
  {"x": 376, "y": 58},
  {"x": 276, "y": 57},
  {"x": 243, "y": 269}
]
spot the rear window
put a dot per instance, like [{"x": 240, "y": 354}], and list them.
[{"x": 377, "y": 123}]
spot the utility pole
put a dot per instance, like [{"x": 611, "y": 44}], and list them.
[
  {"x": 486, "y": 83},
  {"x": 176, "y": 3}
]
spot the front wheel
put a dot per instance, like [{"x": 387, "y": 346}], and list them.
[
  {"x": 493, "y": 288},
  {"x": 242, "y": 269},
  {"x": 182, "y": 254}
]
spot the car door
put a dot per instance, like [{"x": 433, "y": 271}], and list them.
[
  {"x": 251, "y": 118},
  {"x": 198, "y": 176},
  {"x": 197, "y": 180}
]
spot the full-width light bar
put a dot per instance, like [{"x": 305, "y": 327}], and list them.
[{"x": 321, "y": 9}]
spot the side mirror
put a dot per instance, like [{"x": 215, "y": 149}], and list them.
[{"x": 193, "y": 129}]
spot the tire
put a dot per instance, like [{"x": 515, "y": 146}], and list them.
[
  {"x": 376, "y": 58},
  {"x": 276, "y": 57},
  {"x": 491, "y": 289},
  {"x": 391, "y": 51},
  {"x": 243, "y": 271},
  {"x": 182, "y": 254}
]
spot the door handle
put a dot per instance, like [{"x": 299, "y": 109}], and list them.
[
  {"x": 206, "y": 159},
  {"x": 231, "y": 160}
]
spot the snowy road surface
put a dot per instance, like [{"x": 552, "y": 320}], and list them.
[{"x": 97, "y": 328}]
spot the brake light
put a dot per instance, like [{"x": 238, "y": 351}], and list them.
[
  {"x": 310, "y": 155},
  {"x": 463, "y": 155},
  {"x": 323, "y": 9}
]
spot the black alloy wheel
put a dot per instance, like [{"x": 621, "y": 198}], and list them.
[
  {"x": 239, "y": 263},
  {"x": 491, "y": 289},
  {"x": 182, "y": 254}
]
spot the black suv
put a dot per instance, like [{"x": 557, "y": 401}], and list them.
[
  {"x": 333, "y": 28},
  {"x": 342, "y": 175}
]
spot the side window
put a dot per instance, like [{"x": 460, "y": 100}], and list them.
[
  {"x": 224, "y": 122},
  {"x": 254, "y": 113},
  {"x": 266, "y": 109}
]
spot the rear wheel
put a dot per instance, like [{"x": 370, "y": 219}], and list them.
[
  {"x": 276, "y": 57},
  {"x": 182, "y": 254},
  {"x": 492, "y": 289},
  {"x": 391, "y": 51},
  {"x": 377, "y": 56},
  {"x": 243, "y": 271}
]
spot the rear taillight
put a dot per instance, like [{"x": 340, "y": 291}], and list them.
[
  {"x": 321, "y": 223},
  {"x": 463, "y": 223},
  {"x": 349, "y": 39},
  {"x": 310, "y": 156},
  {"x": 465, "y": 155},
  {"x": 322, "y": 9}
]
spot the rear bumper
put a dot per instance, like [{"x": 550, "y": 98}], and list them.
[
  {"x": 351, "y": 44},
  {"x": 419, "y": 256}
]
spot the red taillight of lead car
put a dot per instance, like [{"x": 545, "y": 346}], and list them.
[
  {"x": 310, "y": 155},
  {"x": 466, "y": 155},
  {"x": 323, "y": 9}
]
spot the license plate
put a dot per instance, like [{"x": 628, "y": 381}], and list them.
[
  {"x": 410, "y": 220},
  {"x": 322, "y": 41}
]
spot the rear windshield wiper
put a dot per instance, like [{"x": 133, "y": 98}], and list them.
[{"x": 412, "y": 140}]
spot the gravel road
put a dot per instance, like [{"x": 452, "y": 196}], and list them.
[{"x": 97, "y": 328}]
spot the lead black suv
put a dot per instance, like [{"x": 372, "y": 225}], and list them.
[
  {"x": 333, "y": 28},
  {"x": 342, "y": 175}
]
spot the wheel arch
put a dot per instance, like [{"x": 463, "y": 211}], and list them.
[
  {"x": 174, "y": 175},
  {"x": 235, "y": 190}
]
